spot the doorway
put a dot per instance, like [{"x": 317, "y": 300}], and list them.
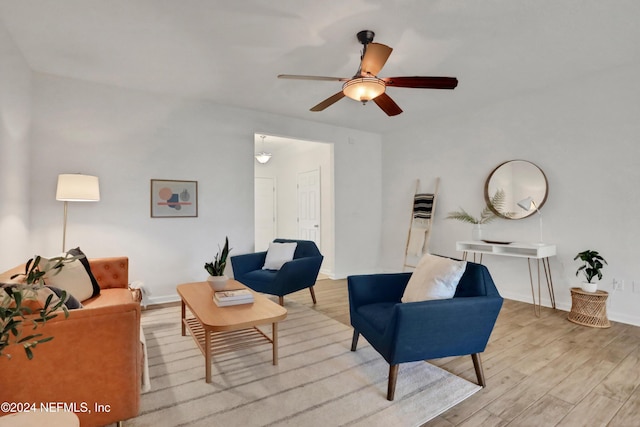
[
  {"x": 265, "y": 212},
  {"x": 298, "y": 211},
  {"x": 309, "y": 215}
]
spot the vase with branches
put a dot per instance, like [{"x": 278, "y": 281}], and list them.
[
  {"x": 18, "y": 319},
  {"x": 486, "y": 215}
]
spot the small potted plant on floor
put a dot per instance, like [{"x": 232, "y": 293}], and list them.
[
  {"x": 591, "y": 268},
  {"x": 217, "y": 278}
]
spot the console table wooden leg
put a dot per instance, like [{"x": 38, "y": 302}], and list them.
[
  {"x": 274, "y": 333},
  {"x": 207, "y": 356}
]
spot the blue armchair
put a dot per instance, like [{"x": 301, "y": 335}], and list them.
[
  {"x": 294, "y": 275},
  {"x": 408, "y": 332}
]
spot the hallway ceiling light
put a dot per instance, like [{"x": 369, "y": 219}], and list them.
[{"x": 263, "y": 157}]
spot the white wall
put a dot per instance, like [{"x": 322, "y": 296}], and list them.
[
  {"x": 584, "y": 134},
  {"x": 127, "y": 138},
  {"x": 15, "y": 165}
]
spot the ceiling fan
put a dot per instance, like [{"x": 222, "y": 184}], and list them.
[{"x": 365, "y": 85}]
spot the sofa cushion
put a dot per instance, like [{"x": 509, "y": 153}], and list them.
[
  {"x": 435, "y": 277},
  {"x": 110, "y": 297},
  {"x": 75, "y": 277},
  {"x": 260, "y": 276},
  {"x": 278, "y": 254}
]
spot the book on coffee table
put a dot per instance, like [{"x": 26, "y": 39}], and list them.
[{"x": 235, "y": 297}]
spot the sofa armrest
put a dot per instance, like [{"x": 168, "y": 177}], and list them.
[
  {"x": 111, "y": 272},
  {"x": 299, "y": 273},
  {"x": 374, "y": 288},
  {"x": 94, "y": 358}
]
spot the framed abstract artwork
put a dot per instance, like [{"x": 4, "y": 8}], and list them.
[{"x": 174, "y": 199}]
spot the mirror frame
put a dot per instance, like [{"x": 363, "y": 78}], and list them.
[{"x": 487, "y": 198}]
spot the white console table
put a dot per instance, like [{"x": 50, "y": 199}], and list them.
[{"x": 539, "y": 252}]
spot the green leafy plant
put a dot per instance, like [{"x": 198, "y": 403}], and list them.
[
  {"x": 593, "y": 264},
  {"x": 487, "y": 215},
  {"x": 216, "y": 268},
  {"x": 16, "y": 316}
]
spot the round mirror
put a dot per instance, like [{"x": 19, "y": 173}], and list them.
[{"x": 516, "y": 189}]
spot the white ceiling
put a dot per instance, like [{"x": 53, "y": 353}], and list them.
[{"x": 231, "y": 51}]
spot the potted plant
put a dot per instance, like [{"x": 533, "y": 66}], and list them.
[
  {"x": 16, "y": 312},
  {"x": 217, "y": 278},
  {"x": 591, "y": 268},
  {"x": 486, "y": 216}
]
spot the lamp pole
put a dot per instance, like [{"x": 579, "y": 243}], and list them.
[{"x": 64, "y": 227}]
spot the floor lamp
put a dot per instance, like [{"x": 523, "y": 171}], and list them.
[
  {"x": 528, "y": 204},
  {"x": 76, "y": 188}
]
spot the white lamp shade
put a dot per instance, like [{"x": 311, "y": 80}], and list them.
[
  {"x": 78, "y": 188},
  {"x": 527, "y": 204}
]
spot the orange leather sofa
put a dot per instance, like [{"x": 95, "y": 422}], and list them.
[{"x": 93, "y": 364}]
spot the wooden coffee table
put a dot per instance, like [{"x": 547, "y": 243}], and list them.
[{"x": 218, "y": 330}]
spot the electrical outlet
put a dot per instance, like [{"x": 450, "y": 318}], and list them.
[{"x": 618, "y": 285}]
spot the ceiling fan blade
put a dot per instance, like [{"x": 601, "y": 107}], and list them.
[
  {"x": 324, "y": 78},
  {"x": 387, "y": 105},
  {"x": 422, "y": 82},
  {"x": 375, "y": 56},
  {"x": 328, "y": 102}
]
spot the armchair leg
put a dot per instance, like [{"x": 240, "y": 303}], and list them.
[
  {"x": 393, "y": 376},
  {"x": 281, "y": 300},
  {"x": 354, "y": 341},
  {"x": 477, "y": 364},
  {"x": 313, "y": 294}
]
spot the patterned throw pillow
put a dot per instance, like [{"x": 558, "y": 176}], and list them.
[
  {"x": 75, "y": 278},
  {"x": 35, "y": 297}
]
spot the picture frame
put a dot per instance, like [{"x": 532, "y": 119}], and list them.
[{"x": 174, "y": 198}]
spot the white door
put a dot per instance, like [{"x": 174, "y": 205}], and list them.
[
  {"x": 265, "y": 213},
  {"x": 309, "y": 206}
]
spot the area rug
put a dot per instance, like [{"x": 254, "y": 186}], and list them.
[{"x": 318, "y": 381}]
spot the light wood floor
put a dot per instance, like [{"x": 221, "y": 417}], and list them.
[{"x": 540, "y": 371}]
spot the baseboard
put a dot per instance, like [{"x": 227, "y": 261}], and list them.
[
  {"x": 166, "y": 299},
  {"x": 566, "y": 306}
]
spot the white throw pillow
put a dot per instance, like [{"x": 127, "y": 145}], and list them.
[
  {"x": 278, "y": 254},
  {"x": 435, "y": 277}
]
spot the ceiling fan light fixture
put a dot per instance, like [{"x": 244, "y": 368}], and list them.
[{"x": 364, "y": 89}]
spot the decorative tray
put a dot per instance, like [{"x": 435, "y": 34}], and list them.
[{"x": 496, "y": 242}]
